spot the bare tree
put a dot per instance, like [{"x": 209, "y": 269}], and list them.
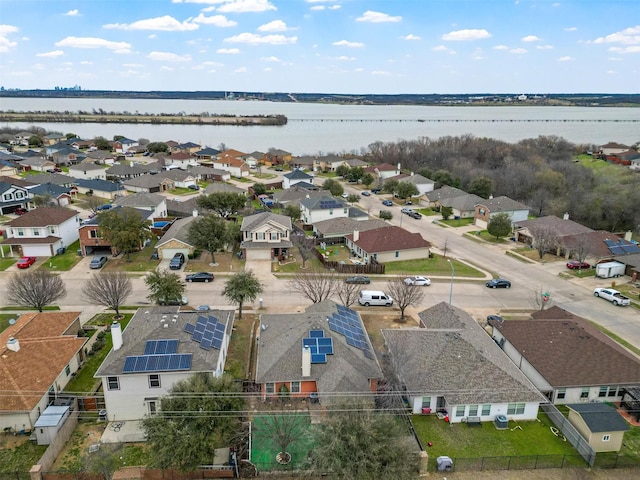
[
  {"x": 540, "y": 299},
  {"x": 36, "y": 288},
  {"x": 305, "y": 245},
  {"x": 348, "y": 293},
  {"x": 404, "y": 295},
  {"x": 544, "y": 239},
  {"x": 317, "y": 285},
  {"x": 581, "y": 248},
  {"x": 282, "y": 427},
  {"x": 109, "y": 289}
]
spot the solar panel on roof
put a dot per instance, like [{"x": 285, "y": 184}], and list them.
[
  {"x": 218, "y": 336},
  {"x": 368, "y": 354},
  {"x": 189, "y": 328},
  {"x": 150, "y": 347},
  {"x": 157, "y": 363},
  {"x": 616, "y": 250},
  {"x": 326, "y": 349},
  {"x": 152, "y": 363},
  {"x": 316, "y": 333},
  {"x": 324, "y": 341},
  {"x": 197, "y": 336},
  {"x": 216, "y": 343},
  {"x": 141, "y": 363},
  {"x": 609, "y": 243},
  {"x": 206, "y": 343},
  {"x": 207, "y": 335},
  {"x": 630, "y": 248},
  {"x": 129, "y": 365},
  {"x": 185, "y": 361},
  {"x": 318, "y": 358},
  {"x": 306, "y": 342}
]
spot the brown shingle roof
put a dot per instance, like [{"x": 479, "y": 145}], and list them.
[
  {"x": 389, "y": 239},
  {"x": 43, "y": 216},
  {"x": 560, "y": 226}
]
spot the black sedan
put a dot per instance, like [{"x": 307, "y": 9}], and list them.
[
  {"x": 499, "y": 283},
  {"x": 358, "y": 279},
  {"x": 200, "y": 277}
]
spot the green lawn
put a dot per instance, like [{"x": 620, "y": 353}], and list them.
[
  {"x": 240, "y": 346},
  {"x": 4, "y": 320},
  {"x": 457, "y": 222},
  {"x": 460, "y": 441},
  {"x": 64, "y": 262},
  {"x": 6, "y": 262},
  {"x": 140, "y": 261},
  {"x": 437, "y": 265},
  {"x": 264, "y": 450},
  {"x": 21, "y": 458}
]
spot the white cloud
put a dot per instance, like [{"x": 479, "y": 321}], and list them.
[
  {"x": 501, "y": 47},
  {"x": 267, "y": 69},
  {"x": 72, "y": 13},
  {"x": 271, "y": 59},
  {"x": 240, "y": 70},
  {"x": 5, "y": 29},
  {"x": 571, "y": 29},
  {"x": 344, "y": 58},
  {"x": 213, "y": 64},
  {"x": 611, "y": 72},
  {"x": 518, "y": 50},
  {"x": 317, "y": 7},
  {"x": 94, "y": 42},
  {"x": 52, "y": 54},
  {"x": 478, "y": 54},
  {"x": 152, "y": 36},
  {"x": 377, "y": 17},
  {"x": 168, "y": 57},
  {"x": 545, "y": 47},
  {"x": 167, "y": 68},
  {"x": 382, "y": 73},
  {"x": 243, "y": 6},
  {"x": 228, "y": 51},
  {"x": 215, "y": 20},
  {"x": 5, "y": 43},
  {"x": 466, "y": 34},
  {"x": 630, "y": 49},
  {"x": 566, "y": 58},
  {"x": 628, "y": 36},
  {"x": 443, "y": 48},
  {"x": 411, "y": 36},
  {"x": 255, "y": 39},
  {"x": 132, "y": 65},
  {"x": 275, "y": 26},
  {"x": 335, "y": 7},
  {"x": 530, "y": 38},
  {"x": 165, "y": 23},
  {"x": 346, "y": 43},
  {"x": 86, "y": 62}
]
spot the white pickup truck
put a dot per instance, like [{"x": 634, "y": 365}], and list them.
[{"x": 612, "y": 295}]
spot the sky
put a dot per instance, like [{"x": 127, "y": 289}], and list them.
[{"x": 323, "y": 46}]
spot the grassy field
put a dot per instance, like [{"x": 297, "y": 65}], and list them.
[
  {"x": 264, "y": 449},
  {"x": 436, "y": 265},
  {"x": 64, "y": 262},
  {"x": 237, "y": 363},
  {"x": 7, "y": 262},
  {"x": 19, "y": 458},
  {"x": 140, "y": 261},
  {"x": 459, "y": 222}
]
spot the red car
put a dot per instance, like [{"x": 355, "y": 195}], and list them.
[
  {"x": 20, "y": 211},
  {"x": 26, "y": 262},
  {"x": 575, "y": 265}
]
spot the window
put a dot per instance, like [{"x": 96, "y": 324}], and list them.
[
  {"x": 606, "y": 438},
  {"x": 460, "y": 410},
  {"x": 295, "y": 387},
  {"x": 270, "y": 388},
  {"x": 603, "y": 391},
  {"x": 613, "y": 392},
  {"x": 67, "y": 370},
  {"x": 93, "y": 234},
  {"x": 36, "y": 232},
  {"x": 21, "y": 232},
  {"x": 562, "y": 393},
  {"x": 473, "y": 410},
  {"x": 113, "y": 383},
  {"x": 397, "y": 254},
  {"x": 486, "y": 410},
  {"x": 426, "y": 402},
  {"x": 154, "y": 381},
  {"x": 259, "y": 235},
  {"x": 153, "y": 407},
  {"x": 52, "y": 230},
  {"x": 584, "y": 393},
  {"x": 19, "y": 195},
  {"x": 8, "y": 196},
  {"x": 331, "y": 211},
  {"x": 515, "y": 409}
]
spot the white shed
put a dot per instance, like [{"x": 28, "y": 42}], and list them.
[{"x": 50, "y": 422}]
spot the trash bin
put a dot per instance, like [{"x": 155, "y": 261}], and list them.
[
  {"x": 444, "y": 464},
  {"x": 61, "y": 250},
  {"x": 79, "y": 253},
  {"x": 102, "y": 415}
]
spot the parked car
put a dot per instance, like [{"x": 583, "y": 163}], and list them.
[
  {"x": 418, "y": 281},
  {"x": 415, "y": 215},
  {"x": 177, "y": 261},
  {"x": 203, "y": 308},
  {"x": 20, "y": 211},
  {"x": 194, "y": 187},
  {"x": 361, "y": 279},
  {"x": 366, "y": 193},
  {"x": 406, "y": 210},
  {"x": 26, "y": 262},
  {"x": 576, "y": 265},
  {"x": 174, "y": 301},
  {"x": 376, "y": 190},
  {"x": 495, "y": 318},
  {"x": 200, "y": 277},
  {"x": 614, "y": 296},
  {"x": 98, "y": 261},
  {"x": 106, "y": 206},
  {"x": 345, "y": 195},
  {"x": 387, "y": 203},
  {"x": 498, "y": 283}
]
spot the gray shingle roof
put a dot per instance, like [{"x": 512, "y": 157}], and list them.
[
  {"x": 298, "y": 175},
  {"x": 346, "y": 225},
  {"x": 454, "y": 357},
  {"x": 463, "y": 203},
  {"x": 252, "y": 222},
  {"x": 441, "y": 193},
  {"x": 141, "y": 200},
  {"x": 560, "y": 226},
  {"x": 502, "y": 204},
  {"x": 600, "y": 417},
  {"x": 323, "y": 202},
  {"x": 179, "y": 230}
]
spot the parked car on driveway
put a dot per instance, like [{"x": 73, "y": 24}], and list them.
[
  {"x": 387, "y": 203},
  {"x": 498, "y": 283},
  {"x": 26, "y": 262},
  {"x": 416, "y": 215},
  {"x": 20, "y": 211},
  {"x": 177, "y": 261},
  {"x": 576, "y": 265},
  {"x": 361, "y": 279},
  {"x": 366, "y": 193},
  {"x": 406, "y": 210},
  {"x": 418, "y": 281},
  {"x": 200, "y": 277},
  {"x": 98, "y": 261}
]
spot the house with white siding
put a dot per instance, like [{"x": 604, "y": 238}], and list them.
[{"x": 316, "y": 209}]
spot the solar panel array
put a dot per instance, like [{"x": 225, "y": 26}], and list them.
[
  {"x": 319, "y": 345},
  {"x": 160, "y": 347},
  {"x": 326, "y": 204},
  {"x": 621, "y": 247},
  {"x": 172, "y": 362},
  {"x": 208, "y": 332},
  {"x": 346, "y": 322}
]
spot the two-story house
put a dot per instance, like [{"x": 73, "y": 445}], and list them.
[
  {"x": 234, "y": 165},
  {"x": 266, "y": 236},
  {"x": 316, "y": 209},
  {"x": 296, "y": 176},
  {"x": 123, "y": 145},
  {"x": 485, "y": 209},
  {"x": 12, "y": 197}
]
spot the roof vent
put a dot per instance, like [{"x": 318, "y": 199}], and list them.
[{"x": 13, "y": 344}]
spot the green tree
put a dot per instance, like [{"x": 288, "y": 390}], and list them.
[
  {"x": 124, "y": 229},
  {"x": 35, "y": 141},
  {"x": 390, "y": 186},
  {"x": 102, "y": 143},
  {"x": 71, "y": 135},
  {"x": 118, "y": 137},
  {"x": 444, "y": 177},
  {"x": 343, "y": 170},
  {"x": 242, "y": 287},
  {"x": 355, "y": 174},
  {"x": 259, "y": 188},
  {"x": 356, "y": 442},
  {"x": 333, "y": 186},
  {"x": 367, "y": 179},
  {"x": 292, "y": 211},
  {"x": 499, "y": 225},
  {"x": 157, "y": 147},
  {"x": 209, "y": 233},
  {"x": 386, "y": 215},
  {"x": 163, "y": 285},
  {"x": 306, "y": 247},
  {"x": 353, "y": 198},
  {"x": 446, "y": 212},
  {"x": 224, "y": 204},
  {"x": 406, "y": 190},
  {"x": 197, "y": 416},
  {"x": 481, "y": 186}
]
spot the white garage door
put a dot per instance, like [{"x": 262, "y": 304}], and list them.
[
  {"x": 36, "y": 250},
  {"x": 258, "y": 254},
  {"x": 170, "y": 252},
  {"x": 481, "y": 223}
]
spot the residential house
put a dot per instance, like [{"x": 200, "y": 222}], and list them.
[
  {"x": 355, "y": 162},
  {"x": 612, "y": 148},
  {"x": 53, "y": 138},
  {"x": 8, "y": 167},
  {"x": 176, "y": 239},
  {"x": 183, "y": 208},
  {"x": 67, "y": 156},
  {"x": 234, "y": 165},
  {"x": 276, "y": 156},
  {"x": 294, "y": 177},
  {"x": 149, "y": 184},
  {"x": 293, "y": 195},
  {"x": 485, "y": 209},
  {"x": 330, "y": 163},
  {"x": 123, "y": 145},
  {"x": 127, "y": 171},
  {"x": 567, "y": 358},
  {"x": 435, "y": 197},
  {"x": 55, "y": 178},
  {"x": 423, "y": 184},
  {"x": 305, "y": 163},
  {"x": 151, "y": 202},
  {"x": 38, "y": 164},
  {"x": 382, "y": 171},
  {"x": 88, "y": 171},
  {"x": 181, "y": 160},
  {"x": 179, "y": 178},
  {"x": 187, "y": 148},
  {"x": 451, "y": 366},
  {"x": 462, "y": 206},
  {"x": 551, "y": 225},
  {"x": 218, "y": 187},
  {"x": 316, "y": 209},
  {"x": 41, "y": 232},
  {"x": 600, "y": 424},
  {"x": 58, "y": 196},
  {"x": 209, "y": 174},
  {"x": 266, "y": 236},
  {"x": 595, "y": 247},
  {"x": 41, "y": 353},
  {"x": 387, "y": 244},
  {"x": 101, "y": 188},
  {"x": 12, "y": 196},
  {"x": 335, "y": 229},
  {"x": 206, "y": 155},
  {"x": 92, "y": 242},
  {"x": 102, "y": 157},
  {"x": 160, "y": 347},
  {"x": 323, "y": 354}
]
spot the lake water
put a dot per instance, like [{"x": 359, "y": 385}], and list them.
[{"x": 320, "y": 129}]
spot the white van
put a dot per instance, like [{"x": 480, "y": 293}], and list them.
[{"x": 375, "y": 298}]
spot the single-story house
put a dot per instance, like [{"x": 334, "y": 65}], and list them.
[
  {"x": 485, "y": 209},
  {"x": 295, "y": 194},
  {"x": 382, "y": 171},
  {"x": 559, "y": 228},
  {"x": 451, "y": 366},
  {"x": 612, "y": 148},
  {"x": 331, "y": 162},
  {"x": 184, "y": 208},
  {"x": 567, "y": 358},
  {"x": 437, "y": 196},
  {"x": 600, "y": 424},
  {"x": 277, "y": 156},
  {"x": 462, "y": 206},
  {"x": 41, "y": 353},
  {"x": 160, "y": 347},
  {"x": 218, "y": 187},
  {"x": 337, "y": 228},
  {"x": 55, "y": 178},
  {"x": 176, "y": 239},
  {"x": 387, "y": 244},
  {"x": 206, "y": 155},
  {"x": 423, "y": 184},
  {"x": 209, "y": 174},
  {"x": 152, "y": 202},
  {"x": 38, "y": 164},
  {"x": 266, "y": 236},
  {"x": 180, "y": 178},
  {"x": 323, "y": 353},
  {"x": 128, "y": 170},
  {"x": 305, "y": 163},
  {"x": 149, "y": 184},
  {"x": 101, "y": 188},
  {"x": 88, "y": 171},
  {"x": 60, "y": 196}
]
